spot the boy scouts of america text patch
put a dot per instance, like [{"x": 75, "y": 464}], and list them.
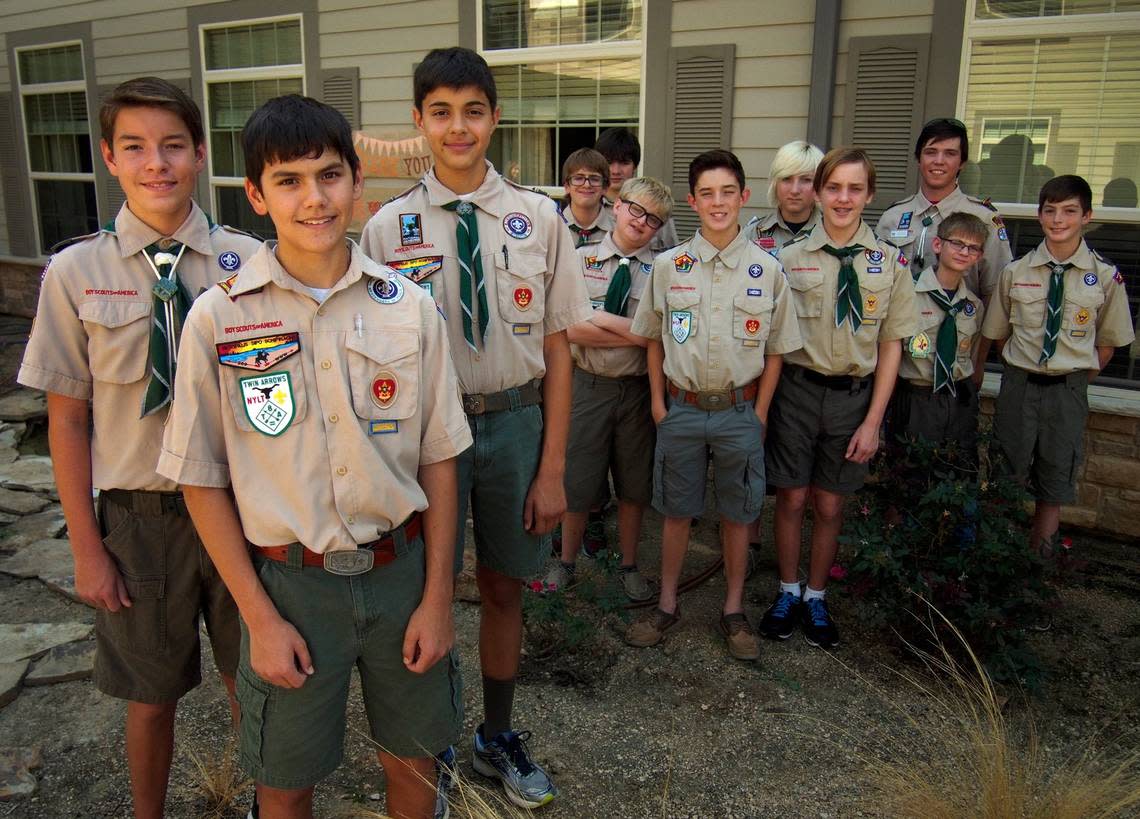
[
  {"x": 268, "y": 401},
  {"x": 258, "y": 353},
  {"x": 386, "y": 291},
  {"x": 417, "y": 269},
  {"x": 517, "y": 225}
]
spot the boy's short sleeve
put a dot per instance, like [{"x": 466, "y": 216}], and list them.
[
  {"x": 55, "y": 359},
  {"x": 444, "y": 430},
  {"x": 902, "y": 317},
  {"x": 566, "y": 301},
  {"x": 995, "y": 325},
  {"x": 647, "y": 320},
  {"x": 785, "y": 335},
  {"x": 1114, "y": 321}
]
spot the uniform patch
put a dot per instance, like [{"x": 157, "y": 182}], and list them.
[
  {"x": 755, "y": 291},
  {"x": 427, "y": 289},
  {"x": 383, "y": 427},
  {"x": 871, "y": 303},
  {"x": 1091, "y": 279},
  {"x": 258, "y": 353},
  {"x": 875, "y": 257},
  {"x": 904, "y": 220},
  {"x": 521, "y": 329},
  {"x": 752, "y": 326},
  {"x": 919, "y": 346},
  {"x": 683, "y": 263},
  {"x": 1082, "y": 316},
  {"x": 766, "y": 242},
  {"x": 592, "y": 263},
  {"x": 517, "y": 225},
  {"x": 1078, "y": 333},
  {"x": 229, "y": 261},
  {"x": 268, "y": 401},
  {"x": 969, "y": 309},
  {"x": 680, "y": 325},
  {"x": 386, "y": 291},
  {"x": 384, "y": 389},
  {"x": 418, "y": 269},
  {"x": 964, "y": 345},
  {"x": 411, "y": 229},
  {"x": 1001, "y": 234},
  {"x": 646, "y": 268},
  {"x": 1117, "y": 277},
  {"x": 755, "y": 271},
  {"x": 523, "y": 297},
  {"x": 902, "y": 259},
  {"x": 899, "y": 234},
  {"x": 597, "y": 304},
  {"x": 874, "y": 270}
]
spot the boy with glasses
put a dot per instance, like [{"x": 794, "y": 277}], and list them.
[{"x": 586, "y": 175}]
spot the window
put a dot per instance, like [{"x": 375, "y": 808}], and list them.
[
  {"x": 244, "y": 65},
  {"x": 566, "y": 70},
  {"x": 53, "y": 102}
]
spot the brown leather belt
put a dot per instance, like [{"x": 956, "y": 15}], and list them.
[
  {"x": 524, "y": 395},
  {"x": 714, "y": 400},
  {"x": 383, "y": 549}
]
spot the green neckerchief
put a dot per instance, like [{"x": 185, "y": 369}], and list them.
[
  {"x": 471, "y": 269},
  {"x": 848, "y": 300},
  {"x": 946, "y": 343},
  {"x": 617, "y": 295},
  {"x": 171, "y": 304},
  {"x": 1053, "y": 311}
]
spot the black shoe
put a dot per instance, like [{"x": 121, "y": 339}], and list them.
[
  {"x": 779, "y": 621},
  {"x": 819, "y": 629}
]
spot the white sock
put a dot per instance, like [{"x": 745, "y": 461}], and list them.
[
  {"x": 790, "y": 588},
  {"x": 813, "y": 594}
]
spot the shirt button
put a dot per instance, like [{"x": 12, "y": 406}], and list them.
[
  {"x": 326, "y": 365},
  {"x": 342, "y": 470},
  {"x": 334, "y": 418},
  {"x": 320, "y": 311},
  {"x": 351, "y": 520}
]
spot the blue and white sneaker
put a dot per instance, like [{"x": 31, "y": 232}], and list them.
[
  {"x": 506, "y": 758},
  {"x": 779, "y": 621},
  {"x": 819, "y": 628},
  {"x": 444, "y": 781}
]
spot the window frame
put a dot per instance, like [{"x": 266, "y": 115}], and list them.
[{"x": 63, "y": 87}]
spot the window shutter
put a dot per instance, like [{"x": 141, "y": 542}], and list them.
[
  {"x": 13, "y": 177},
  {"x": 885, "y": 97},
  {"x": 699, "y": 109},
  {"x": 340, "y": 88}
]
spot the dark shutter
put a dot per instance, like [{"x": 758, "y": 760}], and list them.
[
  {"x": 14, "y": 177},
  {"x": 340, "y": 88}
]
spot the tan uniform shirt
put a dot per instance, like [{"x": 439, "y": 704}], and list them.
[
  {"x": 902, "y": 225},
  {"x": 1095, "y": 312},
  {"x": 91, "y": 336},
  {"x": 318, "y": 416},
  {"x": 531, "y": 273},
  {"x": 717, "y": 313},
  {"x": 599, "y": 263},
  {"x": 592, "y": 233},
  {"x": 771, "y": 232},
  {"x": 917, "y": 365},
  {"x": 665, "y": 237},
  {"x": 888, "y": 302}
]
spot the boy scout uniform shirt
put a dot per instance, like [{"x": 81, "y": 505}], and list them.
[
  {"x": 901, "y": 224},
  {"x": 1095, "y": 312},
  {"x": 599, "y": 263},
  {"x": 592, "y": 233},
  {"x": 772, "y": 232},
  {"x": 318, "y": 416},
  {"x": 91, "y": 336},
  {"x": 917, "y": 365},
  {"x": 532, "y": 274},
  {"x": 717, "y": 313},
  {"x": 888, "y": 302}
]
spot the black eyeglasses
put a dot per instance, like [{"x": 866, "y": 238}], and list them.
[
  {"x": 963, "y": 247},
  {"x": 580, "y": 180},
  {"x": 639, "y": 212}
]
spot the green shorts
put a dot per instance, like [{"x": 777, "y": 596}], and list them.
[
  {"x": 151, "y": 652},
  {"x": 1040, "y": 431},
  {"x": 611, "y": 427},
  {"x": 495, "y": 474},
  {"x": 292, "y": 738}
]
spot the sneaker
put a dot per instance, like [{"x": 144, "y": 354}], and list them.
[
  {"x": 651, "y": 630},
  {"x": 559, "y": 577},
  {"x": 741, "y": 639},
  {"x": 817, "y": 624},
  {"x": 594, "y": 540},
  {"x": 779, "y": 621},
  {"x": 635, "y": 586},
  {"x": 506, "y": 758},
  {"x": 444, "y": 781},
  {"x": 753, "y": 560}
]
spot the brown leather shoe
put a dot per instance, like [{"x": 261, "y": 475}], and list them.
[
  {"x": 650, "y": 631},
  {"x": 743, "y": 644}
]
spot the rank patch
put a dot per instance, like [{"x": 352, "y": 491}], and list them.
[
  {"x": 411, "y": 229},
  {"x": 680, "y": 325},
  {"x": 683, "y": 263},
  {"x": 384, "y": 388},
  {"x": 1091, "y": 279},
  {"x": 258, "y": 353},
  {"x": 919, "y": 346},
  {"x": 1082, "y": 316},
  {"x": 417, "y": 269},
  {"x": 383, "y": 427},
  {"x": 871, "y": 303},
  {"x": 523, "y": 297},
  {"x": 517, "y": 225},
  {"x": 874, "y": 256},
  {"x": 268, "y": 401},
  {"x": 752, "y": 326},
  {"x": 755, "y": 271},
  {"x": 386, "y": 291},
  {"x": 229, "y": 261}
]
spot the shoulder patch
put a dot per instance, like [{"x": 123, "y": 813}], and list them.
[
  {"x": 214, "y": 228},
  {"x": 514, "y": 184},
  {"x": 74, "y": 240},
  {"x": 225, "y": 285},
  {"x": 986, "y": 203},
  {"x": 890, "y": 243},
  {"x": 403, "y": 193},
  {"x": 900, "y": 202}
]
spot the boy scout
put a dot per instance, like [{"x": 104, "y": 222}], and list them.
[
  {"x": 585, "y": 176},
  {"x": 610, "y": 422},
  {"x": 1057, "y": 314},
  {"x": 105, "y": 301},
  {"x": 855, "y": 302},
  {"x": 936, "y": 397},
  {"x": 942, "y": 148},
  {"x": 718, "y": 315},
  {"x": 315, "y": 436},
  {"x": 790, "y": 193},
  {"x": 621, "y": 149},
  {"x": 502, "y": 266}
]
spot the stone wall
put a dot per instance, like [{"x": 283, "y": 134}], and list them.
[{"x": 19, "y": 286}]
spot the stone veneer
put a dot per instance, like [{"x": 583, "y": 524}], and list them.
[{"x": 19, "y": 286}]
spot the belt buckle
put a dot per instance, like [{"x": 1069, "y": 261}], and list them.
[
  {"x": 713, "y": 400},
  {"x": 475, "y": 404},
  {"x": 349, "y": 562}
]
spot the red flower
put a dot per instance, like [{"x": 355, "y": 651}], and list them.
[{"x": 837, "y": 572}]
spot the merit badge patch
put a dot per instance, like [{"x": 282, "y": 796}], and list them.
[
  {"x": 384, "y": 389},
  {"x": 411, "y": 229},
  {"x": 969, "y": 309},
  {"x": 268, "y": 401},
  {"x": 874, "y": 257},
  {"x": 755, "y": 271},
  {"x": 523, "y": 297},
  {"x": 755, "y": 291},
  {"x": 418, "y": 269},
  {"x": 229, "y": 261},
  {"x": 683, "y": 263},
  {"x": 592, "y": 263},
  {"x": 871, "y": 303},
  {"x": 386, "y": 291},
  {"x": 1091, "y": 279},
  {"x": 919, "y": 346},
  {"x": 680, "y": 325},
  {"x": 517, "y": 225},
  {"x": 258, "y": 353},
  {"x": 1082, "y": 316},
  {"x": 904, "y": 220},
  {"x": 383, "y": 427},
  {"x": 752, "y": 326}
]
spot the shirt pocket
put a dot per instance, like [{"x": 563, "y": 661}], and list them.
[
  {"x": 521, "y": 286},
  {"x": 118, "y": 342},
  {"x": 1027, "y": 306},
  {"x": 876, "y": 292},
  {"x": 751, "y": 319},
  {"x": 1081, "y": 307},
  {"x": 277, "y": 399},
  {"x": 683, "y": 309},
  {"x": 384, "y": 375},
  {"x": 807, "y": 293},
  {"x": 968, "y": 328}
]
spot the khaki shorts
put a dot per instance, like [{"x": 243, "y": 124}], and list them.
[
  {"x": 151, "y": 651},
  {"x": 809, "y": 428},
  {"x": 1040, "y": 432},
  {"x": 611, "y": 428},
  {"x": 294, "y": 737}
]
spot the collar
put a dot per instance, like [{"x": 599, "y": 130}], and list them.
[
  {"x": 134, "y": 234},
  {"x": 606, "y": 249},
  {"x": 863, "y": 236},
  {"x": 951, "y": 202},
  {"x": 264, "y": 268},
  {"x": 1082, "y": 259},
  {"x": 776, "y": 218},
  {"x": 568, "y": 216},
  {"x": 928, "y": 281},
  {"x": 730, "y": 255},
  {"x": 486, "y": 197}
]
